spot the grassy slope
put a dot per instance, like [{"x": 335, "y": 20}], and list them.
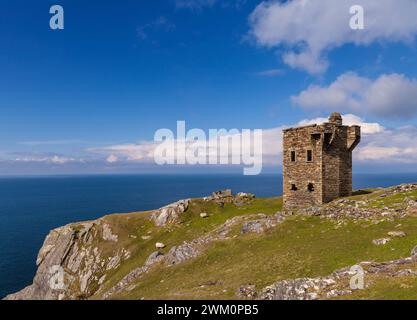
[
  {"x": 190, "y": 227},
  {"x": 300, "y": 247}
]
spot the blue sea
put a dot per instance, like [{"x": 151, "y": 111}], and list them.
[{"x": 31, "y": 207}]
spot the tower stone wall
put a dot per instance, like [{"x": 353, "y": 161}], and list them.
[{"x": 317, "y": 162}]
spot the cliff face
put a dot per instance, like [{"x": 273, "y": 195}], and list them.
[
  {"x": 228, "y": 247},
  {"x": 71, "y": 264}
]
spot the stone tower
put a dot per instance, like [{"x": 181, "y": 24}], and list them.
[{"x": 317, "y": 162}]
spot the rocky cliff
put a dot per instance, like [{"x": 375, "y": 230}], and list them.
[{"x": 70, "y": 263}]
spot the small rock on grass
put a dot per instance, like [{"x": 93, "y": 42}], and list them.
[
  {"x": 247, "y": 292},
  {"x": 381, "y": 242},
  {"x": 160, "y": 245},
  {"x": 414, "y": 252},
  {"x": 397, "y": 234}
]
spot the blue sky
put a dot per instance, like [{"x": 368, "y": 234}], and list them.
[{"x": 120, "y": 70}]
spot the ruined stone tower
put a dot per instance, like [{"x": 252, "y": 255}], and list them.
[{"x": 317, "y": 162}]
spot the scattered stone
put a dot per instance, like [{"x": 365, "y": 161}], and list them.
[
  {"x": 397, "y": 234},
  {"x": 226, "y": 196},
  {"x": 336, "y": 293},
  {"x": 262, "y": 225},
  {"x": 247, "y": 292},
  {"x": 221, "y": 197},
  {"x": 381, "y": 242},
  {"x": 243, "y": 198},
  {"x": 245, "y": 195},
  {"x": 297, "y": 289},
  {"x": 146, "y": 237},
  {"x": 406, "y": 272},
  {"x": 204, "y": 215},
  {"x": 410, "y": 203},
  {"x": 336, "y": 284},
  {"x": 360, "y": 203}
]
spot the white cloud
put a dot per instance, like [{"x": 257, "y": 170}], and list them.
[
  {"x": 141, "y": 152},
  {"x": 272, "y": 142},
  {"x": 397, "y": 145},
  {"x": 350, "y": 120},
  {"x": 378, "y": 145},
  {"x": 308, "y": 29},
  {"x": 198, "y": 5},
  {"x": 307, "y": 60},
  {"x": 50, "y": 142},
  {"x": 112, "y": 158},
  {"x": 392, "y": 95},
  {"x": 55, "y": 159},
  {"x": 161, "y": 23},
  {"x": 270, "y": 73},
  {"x": 226, "y": 148},
  {"x": 61, "y": 160},
  {"x": 194, "y": 4}
]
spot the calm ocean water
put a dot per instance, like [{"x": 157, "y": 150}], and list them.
[{"x": 30, "y": 207}]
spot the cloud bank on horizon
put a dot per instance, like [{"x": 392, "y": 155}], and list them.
[{"x": 378, "y": 145}]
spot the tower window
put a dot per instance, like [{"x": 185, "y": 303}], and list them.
[
  {"x": 293, "y": 187},
  {"x": 292, "y": 156},
  {"x": 309, "y": 155},
  {"x": 310, "y": 187}
]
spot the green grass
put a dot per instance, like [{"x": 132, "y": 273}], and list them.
[
  {"x": 190, "y": 227},
  {"x": 390, "y": 201},
  {"x": 300, "y": 247},
  {"x": 386, "y": 288}
]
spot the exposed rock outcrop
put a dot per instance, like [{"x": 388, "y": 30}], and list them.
[
  {"x": 190, "y": 250},
  {"x": 260, "y": 226},
  {"x": 243, "y": 198},
  {"x": 223, "y": 196},
  {"x": 226, "y": 196},
  {"x": 361, "y": 209},
  {"x": 170, "y": 213},
  {"x": 69, "y": 265},
  {"x": 247, "y": 292},
  {"x": 338, "y": 283}
]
